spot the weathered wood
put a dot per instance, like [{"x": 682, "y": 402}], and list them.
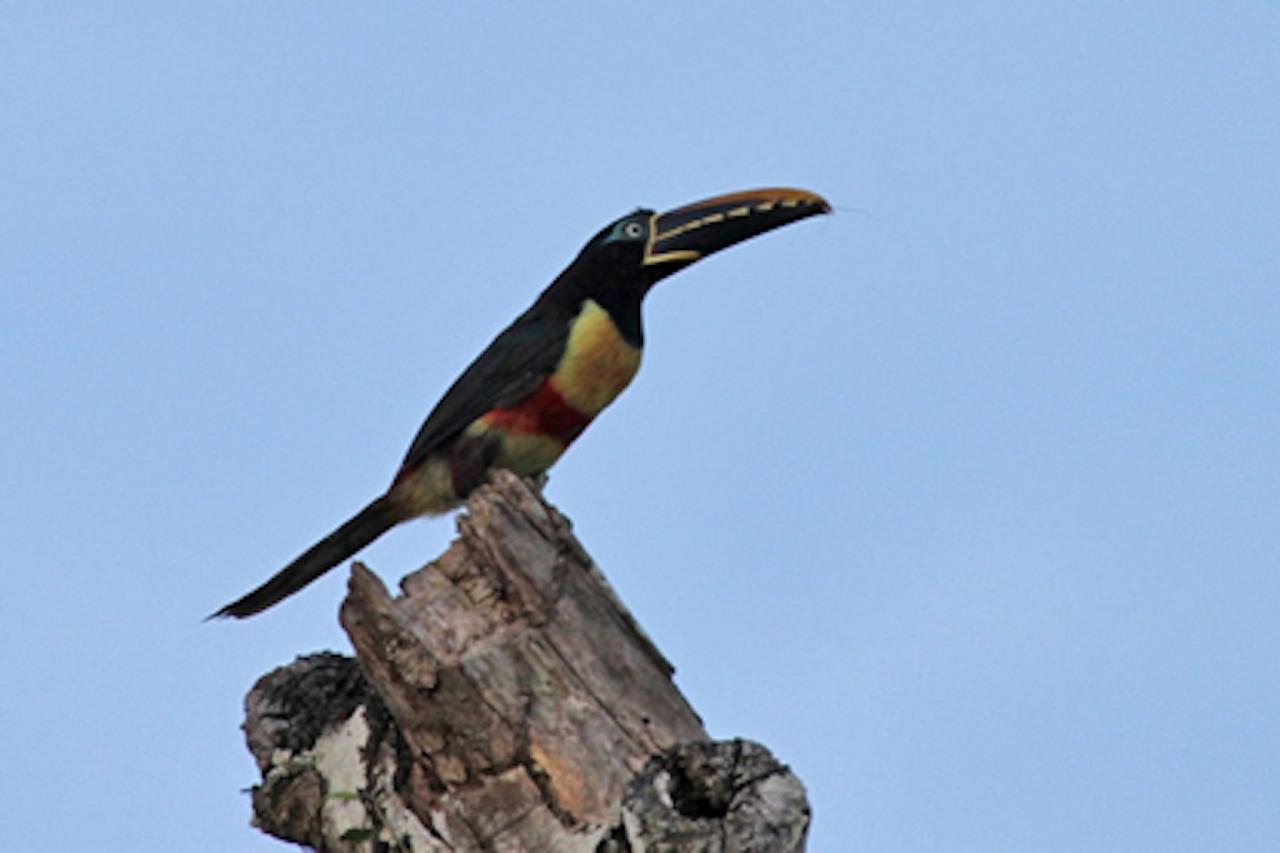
[
  {"x": 710, "y": 797},
  {"x": 506, "y": 701}
]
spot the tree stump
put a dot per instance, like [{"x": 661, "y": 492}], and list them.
[{"x": 506, "y": 701}]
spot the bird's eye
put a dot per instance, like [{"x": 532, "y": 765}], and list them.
[{"x": 633, "y": 230}]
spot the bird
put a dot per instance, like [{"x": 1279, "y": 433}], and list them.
[{"x": 545, "y": 377}]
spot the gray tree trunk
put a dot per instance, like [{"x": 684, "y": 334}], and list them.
[{"x": 506, "y": 701}]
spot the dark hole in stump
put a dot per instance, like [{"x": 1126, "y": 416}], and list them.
[{"x": 697, "y": 790}]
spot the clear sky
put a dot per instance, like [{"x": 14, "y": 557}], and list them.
[{"x": 964, "y": 500}]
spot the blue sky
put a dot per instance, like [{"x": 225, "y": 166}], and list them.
[{"x": 963, "y": 500}]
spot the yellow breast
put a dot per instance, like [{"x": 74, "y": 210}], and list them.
[{"x": 597, "y": 364}]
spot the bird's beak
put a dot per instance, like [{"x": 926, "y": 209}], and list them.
[{"x": 681, "y": 236}]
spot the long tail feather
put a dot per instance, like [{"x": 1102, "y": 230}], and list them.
[{"x": 361, "y": 529}]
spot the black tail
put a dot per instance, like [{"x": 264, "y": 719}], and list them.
[{"x": 361, "y": 529}]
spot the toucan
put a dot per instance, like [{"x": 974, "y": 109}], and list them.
[{"x": 545, "y": 377}]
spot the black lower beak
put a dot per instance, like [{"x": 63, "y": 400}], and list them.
[{"x": 684, "y": 235}]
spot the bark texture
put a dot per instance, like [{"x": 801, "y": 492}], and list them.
[{"x": 506, "y": 701}]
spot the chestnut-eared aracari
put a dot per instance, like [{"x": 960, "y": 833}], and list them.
[{"x": 547, "y": 375}]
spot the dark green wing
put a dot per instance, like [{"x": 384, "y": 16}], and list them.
[{"x": 510, "y": 369}]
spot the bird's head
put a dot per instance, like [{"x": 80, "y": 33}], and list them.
[{"x": 642, "y": 248}]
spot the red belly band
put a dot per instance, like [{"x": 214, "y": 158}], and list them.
[{"x": 544, "y": 412}]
